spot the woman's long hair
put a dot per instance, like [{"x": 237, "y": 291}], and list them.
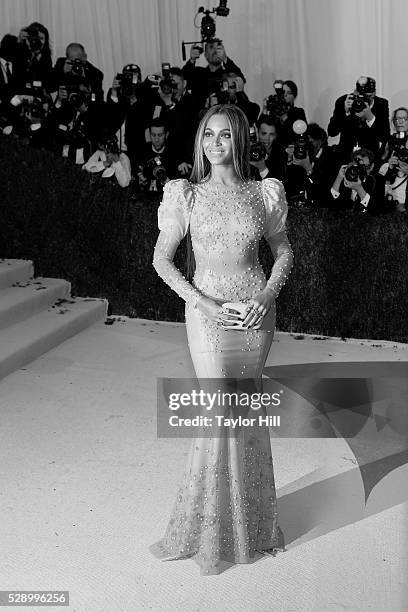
[
  {"x": 46, "y": 50},
  {"x": 202, "y": 168}
]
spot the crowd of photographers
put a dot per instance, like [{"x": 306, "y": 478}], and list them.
[{"x": 142, "y": 131}]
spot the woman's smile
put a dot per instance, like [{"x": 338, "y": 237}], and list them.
[{"x": 217, "y": 141}]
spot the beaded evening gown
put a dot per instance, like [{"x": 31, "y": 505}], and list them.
[{"x": 225, "y": 507}]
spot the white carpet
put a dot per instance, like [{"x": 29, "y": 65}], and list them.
[{"x": 86, "y": 487}]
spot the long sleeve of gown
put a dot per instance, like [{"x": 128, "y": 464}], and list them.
[
  {"x": 275, "y": 234},
  {"x": 173, "y": 220}
]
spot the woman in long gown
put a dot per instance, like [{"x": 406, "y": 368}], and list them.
[{"x": 226, "y": 507}]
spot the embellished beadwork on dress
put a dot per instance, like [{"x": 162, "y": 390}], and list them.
[{"x": 225, "y": 507}]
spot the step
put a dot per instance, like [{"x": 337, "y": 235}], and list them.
[
  {"x": 25, "y": 299},
  {"x": 15, "y": 270},
  {"x": 25, "y": 341}
]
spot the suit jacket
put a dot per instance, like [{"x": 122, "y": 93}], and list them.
[
  {"x": 323, "y": 174},
  {"x": 354, "y": 131},
  {"x": 92, "y": 74},
  {"x": 33, "y": 69},
  {"x": 8, "y": 112},
  {"x": 136, "y": 118},
  {"x": 275, "y": 162},
  {"x": 182, "y": 122},
  {"x": 372, "y": 185},
  {"x": 79, "y": 132}
]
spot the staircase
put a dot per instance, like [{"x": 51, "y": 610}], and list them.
[{"x": 37, "y": 314}]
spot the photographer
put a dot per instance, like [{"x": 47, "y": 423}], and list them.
[
  {"x": 320, "y": 163},
  {"x": 109, "y": 161},
  {"x": 30, "y": 121},
  {"x": 281, "y": 107},
  {"x": 34, "y": 62},
  {"x": 9, "y": 84},
  {"x": 181, "y": 118},
  {"x": 355, "y": 186},
  {"x": 394, "y": 171},
  {"x": 156, "y": 165},
  {"x": 203, "y": 81},
  {"x": 130, "y": 103},
  {"x": 76, "y": 120},
  {"x": 75, "y": 64},
  {"x": 400, "y": 122},
  {"x": 232, "y": 92},
  {"x": 270, "y": 161},
  {"x": 361, "y": 118}
]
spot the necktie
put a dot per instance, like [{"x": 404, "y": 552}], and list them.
[{"x": 8, "y": 72}]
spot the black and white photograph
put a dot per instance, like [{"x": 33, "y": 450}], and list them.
[{"x": 203, "y": 305}]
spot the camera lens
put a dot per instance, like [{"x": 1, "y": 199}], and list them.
[{"x": 352, "y": 173}]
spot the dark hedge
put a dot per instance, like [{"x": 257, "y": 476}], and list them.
[{"x": 350, "y": 273}]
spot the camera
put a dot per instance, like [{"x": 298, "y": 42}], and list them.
[
  {"x": 33, "y": 107},
  {"x": 111, "y": 145},
  {"x": 402, "y": 154},
  {"x": 76, "y": 96},
  {"x": 365, "y": 87},
  {"x": 207, "y": 27},
  {"x": 33, "y": 99},
  {"x": 355, "y": 171},
  {"x": 78, "y": 136},
  {"x": 34, "y": 42},
  {"x": 399, "y": 145},
  {"x": 301, "y": 148},
  {"x": 275, "y": 103},
  {"x": 219, "y": 87},
  {"x": 399, "y": 150},
  {"x": 129, "y": 79},
  {"x": 360, "y": 100},
  {"x": 257, "y": 150},
  {"x": 77, "y": 67},
  {"x": 166, "y": 84},
  {"x": 154, "y": 169},
  {"x": 301, "y": 144}
]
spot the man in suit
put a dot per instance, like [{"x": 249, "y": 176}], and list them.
[
  {"x": 362, "y": 122},
  {"x": 204, "y": 81},
  {"x": 75, "y": 64},
  {"x": 274, "y": 163},
  {"x": 181, "y": 118},
  {"x": 9, "y": 79},
  {"x": 320, "y": 166},
  {"x": 76, "y": 121},
  {"x": 355, "y": 186}
]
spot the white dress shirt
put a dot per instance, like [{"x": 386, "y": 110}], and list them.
[{"x": 121, "y": 169}]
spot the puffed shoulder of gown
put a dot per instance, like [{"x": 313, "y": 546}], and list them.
[
  {"x": 175, "y": 209},
  {"x": 276, "y": 206}
]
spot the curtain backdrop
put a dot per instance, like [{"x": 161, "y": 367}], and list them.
[{"x": 323, "y": 45}]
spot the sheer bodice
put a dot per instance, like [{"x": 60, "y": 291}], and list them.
[{"x": 226, "y": 226}]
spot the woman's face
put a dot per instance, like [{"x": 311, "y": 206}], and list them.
[
  {"x": 41, "y": 36},
  {"x": 288, "y": 95},
  {"x": 217, "y": 141}
]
